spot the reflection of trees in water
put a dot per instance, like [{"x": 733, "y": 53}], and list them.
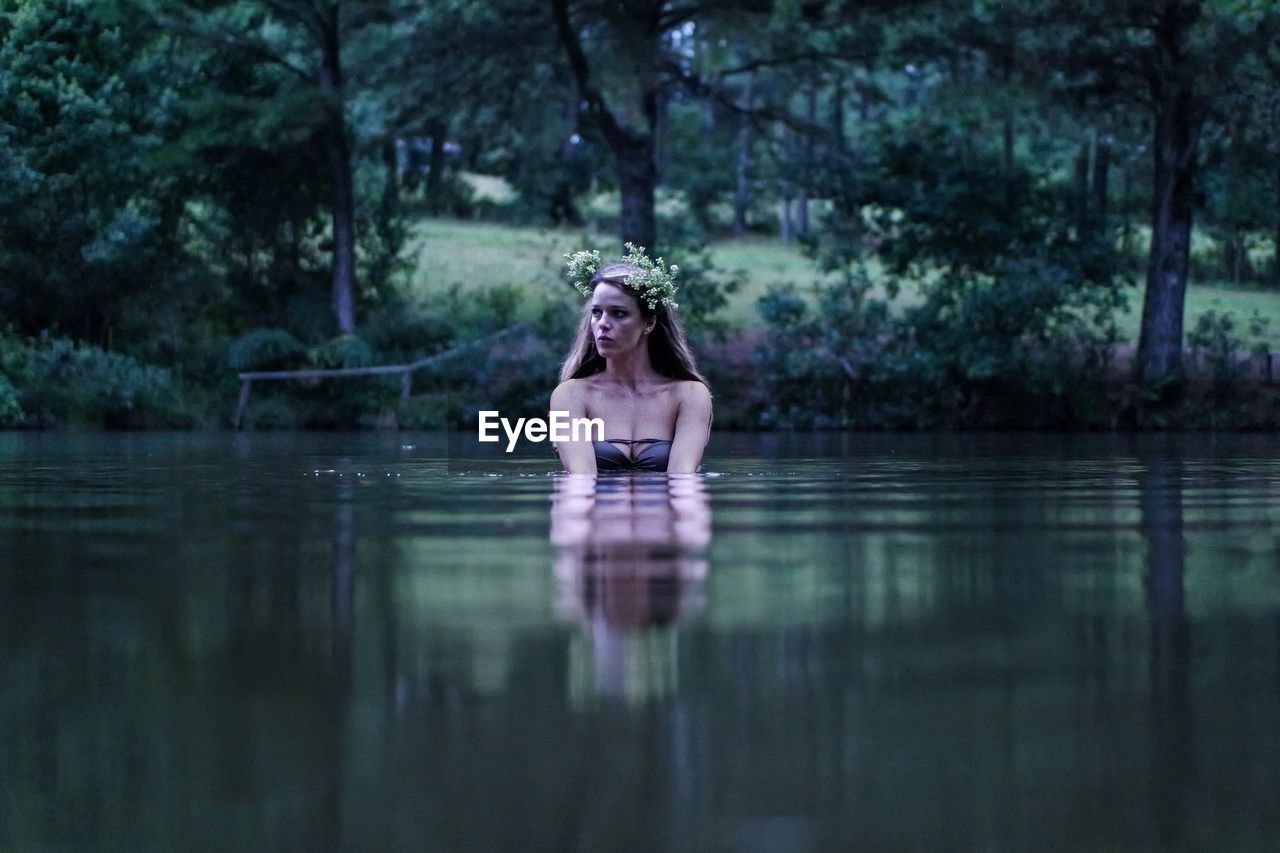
[
  {"x": 897, "y": 683},
  {"x": 630, "y": 566},
  {"x": 1173, "y": 742},
  {"x": 200, "y": 692},
  {"x": 282, "y": 735},
  {"x": 1165, "y": 563}
]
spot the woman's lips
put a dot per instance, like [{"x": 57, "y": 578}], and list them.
[{"x": 604, "y": 339}]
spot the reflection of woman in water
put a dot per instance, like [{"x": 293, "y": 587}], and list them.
[
  {"x": 632, "y": 368},
  {"x": 631, "y": 562}
]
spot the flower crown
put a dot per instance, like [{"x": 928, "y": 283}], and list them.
[{"x": 654, "y": 284}]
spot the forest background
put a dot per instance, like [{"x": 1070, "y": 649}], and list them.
[{"x": 905, "y": 215}]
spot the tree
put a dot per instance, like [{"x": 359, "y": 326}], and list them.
[
  {"x": 305, "y": 39},
  {"x": 652, "y": 50},
  {"x": 487, "y": 82},
  {"x": 635, "y": 30},
  {"x": 1178, "y": 118},
  {"x": 84, "y": 107},
  {"x": 1242, "y": 153},
  {"x": 1177, "y": 59}
]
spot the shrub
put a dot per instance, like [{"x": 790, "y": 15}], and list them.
[
  {"x": 1215, "y": 342},
  {"x": 10, "y": 409},
  {"x": 1016, "y": 318},
  {"x": 264, "y": 349},
  {"x": 402, "y": 334},
  {"x": 343, "y": 351},
  {"x": 63, "y": 381}
]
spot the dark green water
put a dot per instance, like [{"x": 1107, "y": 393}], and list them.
[{"x": 369, "y": 642}]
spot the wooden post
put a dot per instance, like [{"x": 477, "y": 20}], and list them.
[
  {"x": 405, "y": 370},
  {"x": 238, "y": 420}
]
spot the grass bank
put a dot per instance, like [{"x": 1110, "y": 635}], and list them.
[{"x": 452, "y": 257}]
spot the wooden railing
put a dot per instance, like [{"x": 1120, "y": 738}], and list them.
[{"x": 406, "y": 371}]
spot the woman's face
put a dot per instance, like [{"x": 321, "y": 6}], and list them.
[{"x": 617, "y": 325}]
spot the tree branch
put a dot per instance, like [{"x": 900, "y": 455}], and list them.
[
  {"x": 615, "y": 133},
  {"x": 699, "y": 87},
  {"x": 225, "y": 37},
  {"x": 770, "y": 61}
]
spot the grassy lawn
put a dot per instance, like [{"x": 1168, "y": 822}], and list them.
[
  {"x": 1240, "y": 300},
  {"x": 456, "y": 255},
  {"x": 472, "y": 254}
]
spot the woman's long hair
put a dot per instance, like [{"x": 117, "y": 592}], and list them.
[{"x": 669, "y": 349}]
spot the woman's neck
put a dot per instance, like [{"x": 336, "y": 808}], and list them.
[{"x": 632, "y": 369}]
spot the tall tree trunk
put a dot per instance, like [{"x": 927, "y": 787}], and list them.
[
  {"x": 390, "y": 180},
  {"x": 1176, "y": 134},
  {"x": 637, "y": 177},
  {"x": 659, "y": 135},
  {"x": 1007, "y": 54},
  {"x": 1276, "y": 256},
  {"x": 1231, "y": 255},
  {"x": 1247, "y": 272},
  {"x": 1126, "y": 225},
  {"x": 1228, "y": 229},
  {"x": 802, "y": 201},
  {"x": 1081, "y": 189},
  {"x": 1101, "y": 175},
  {"x": 339, "y": 156},
  {"x": 1008, "y": 165},
  {"x": 1235, "y": 255},
  {"x": 295, "y": 246},
  {"x": 439, "y": 129},
  {"x": 634, "y": 149},
  {"x": 837, "y": 112},
  {"x": 1008, "y": 140},
  {"x": 742, "y": 167},
  {"x": 387, "y": 221}
]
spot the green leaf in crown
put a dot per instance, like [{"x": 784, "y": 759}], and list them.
[{"x": 654, "y": 283}]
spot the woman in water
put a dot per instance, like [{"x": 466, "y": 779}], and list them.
[{"x": 631, "y": 367}]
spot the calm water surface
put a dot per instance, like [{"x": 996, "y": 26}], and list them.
[{"x": 383, "y": 642}]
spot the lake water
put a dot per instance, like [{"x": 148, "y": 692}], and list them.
[{"x": 380, "y": 642}]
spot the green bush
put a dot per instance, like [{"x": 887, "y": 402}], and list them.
[
  {"x": 14, "y": 357},
  {"x": 344, "y": 351},
  {"x": 273, "y": 411},
  {"x": 264, "y": 349},
  {"x": 11, "y": 414},
  {"x": 704, "y": 288},
  {"x": 60, "y": 381},
  {"x": 1216, "y": 342},
  {"x": 401, "y": 334},
  {"x": 1015, "y": 323}
]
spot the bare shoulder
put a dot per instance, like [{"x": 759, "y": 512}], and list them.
[
  {"x": 568, "y": 392},
  {"x": 693, "y": 391},
  {"x": 694, "y": 400},
  {"x": 572, "y": 387}
]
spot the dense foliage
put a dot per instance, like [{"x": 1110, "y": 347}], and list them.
[{"x": 189, "y": 190}]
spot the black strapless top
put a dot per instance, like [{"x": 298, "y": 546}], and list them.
[{"x": 653, "y": 456}]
